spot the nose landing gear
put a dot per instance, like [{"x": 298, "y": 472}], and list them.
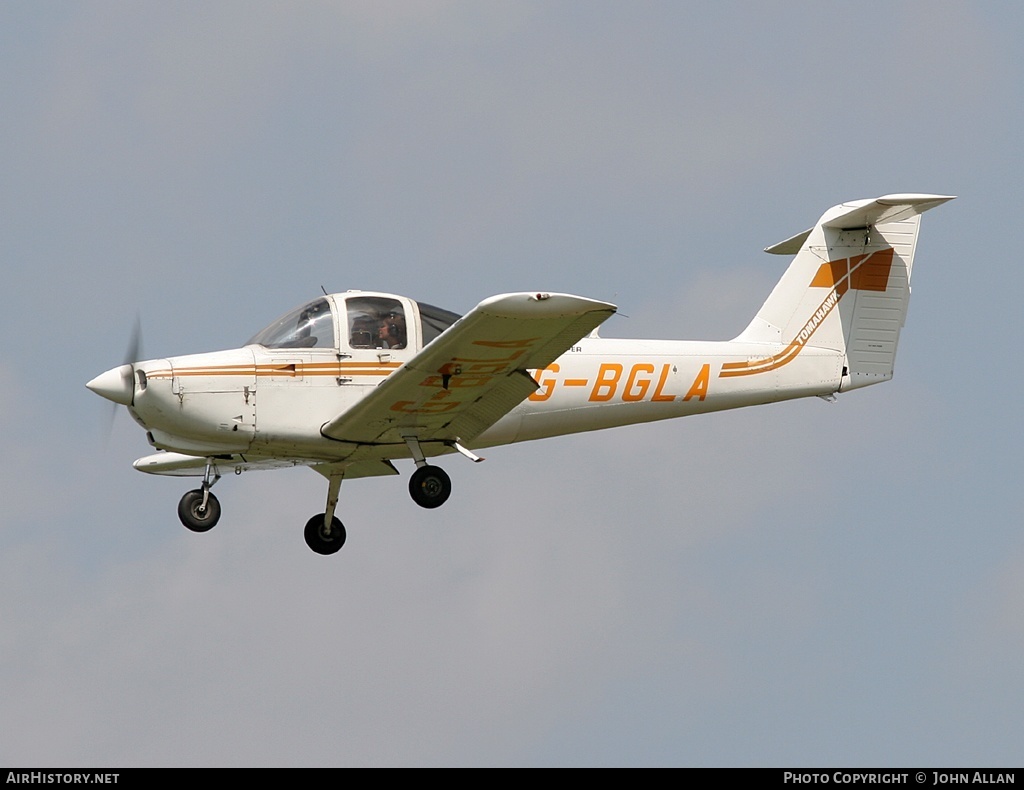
[
  {"x": 199, "y": 510},
  {"x": 195, "y": 513}
]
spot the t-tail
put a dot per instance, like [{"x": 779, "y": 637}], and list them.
[{"x": 847, "y": 289}]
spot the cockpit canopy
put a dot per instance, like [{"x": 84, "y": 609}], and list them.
[
  {"x": 372, "y": 321},
  {"x": 376, "y": 322},
  {"x": 310, "y": 326}
]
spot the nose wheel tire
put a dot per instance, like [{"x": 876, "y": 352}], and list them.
[
  {"x": 319, "y": 539},
  {"x": 196, "y": 517},
  {"x": 430, "y": 486}
]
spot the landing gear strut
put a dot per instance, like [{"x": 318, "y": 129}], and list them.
[
  {"x": 199, "y": 510},
  {"x": 429, "y": 485},
  {"x": 325, "y": 533}
]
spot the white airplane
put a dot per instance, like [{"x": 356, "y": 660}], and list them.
[{"x": 350, "y": 382}]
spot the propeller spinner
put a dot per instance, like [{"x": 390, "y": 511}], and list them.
[{"x": 118, "y": 384}]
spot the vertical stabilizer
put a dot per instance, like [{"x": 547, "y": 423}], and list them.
[{"x": 848, "y": 286}]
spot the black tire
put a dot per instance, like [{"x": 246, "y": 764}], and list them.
[
  {"x": 430, "y": 486},
  {"x": 192, "y": 514},
  {"x": 320, "y": 542}
]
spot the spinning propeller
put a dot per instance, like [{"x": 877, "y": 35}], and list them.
[{"x": 118, "y": 384}]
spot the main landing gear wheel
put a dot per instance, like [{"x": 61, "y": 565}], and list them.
[
  {"x": 321, "y": 541},
  {"x": 194, "y": 515},
  {"x": 430, "y": 486}
]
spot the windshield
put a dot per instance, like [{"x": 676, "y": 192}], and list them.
[{"x": 310, "y": 326}]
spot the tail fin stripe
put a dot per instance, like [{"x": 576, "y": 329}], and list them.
[{"x": 869, "y": 272}]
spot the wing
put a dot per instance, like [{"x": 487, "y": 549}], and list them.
[
  {"x": 181, "y": 465},
  {"x": 474, "y": 373}
]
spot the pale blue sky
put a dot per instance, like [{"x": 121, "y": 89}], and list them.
[{"x": 801, "y": 584}]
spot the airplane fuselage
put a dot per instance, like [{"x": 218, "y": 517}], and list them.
[{"x": 265, "y": 403}]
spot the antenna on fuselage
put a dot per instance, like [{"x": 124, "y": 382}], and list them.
[{"x": 324, "y": 290}]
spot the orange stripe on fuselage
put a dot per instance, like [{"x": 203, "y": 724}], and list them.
[{"x": 289, "y": 369}]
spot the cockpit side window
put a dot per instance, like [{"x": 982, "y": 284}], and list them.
[
  {"x": 376, "y": 322},
  {"x": 310, "y": 326},
  {"x": 434, "y": 320}
]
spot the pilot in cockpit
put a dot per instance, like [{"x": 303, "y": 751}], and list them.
[{"x": 392, "y": 331}]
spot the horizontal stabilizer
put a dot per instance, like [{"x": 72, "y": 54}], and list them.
[
  {"x": 862, "y": 213},
  {"x": 883, "y": 210},
  {"x": 790, "y": 246}
]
